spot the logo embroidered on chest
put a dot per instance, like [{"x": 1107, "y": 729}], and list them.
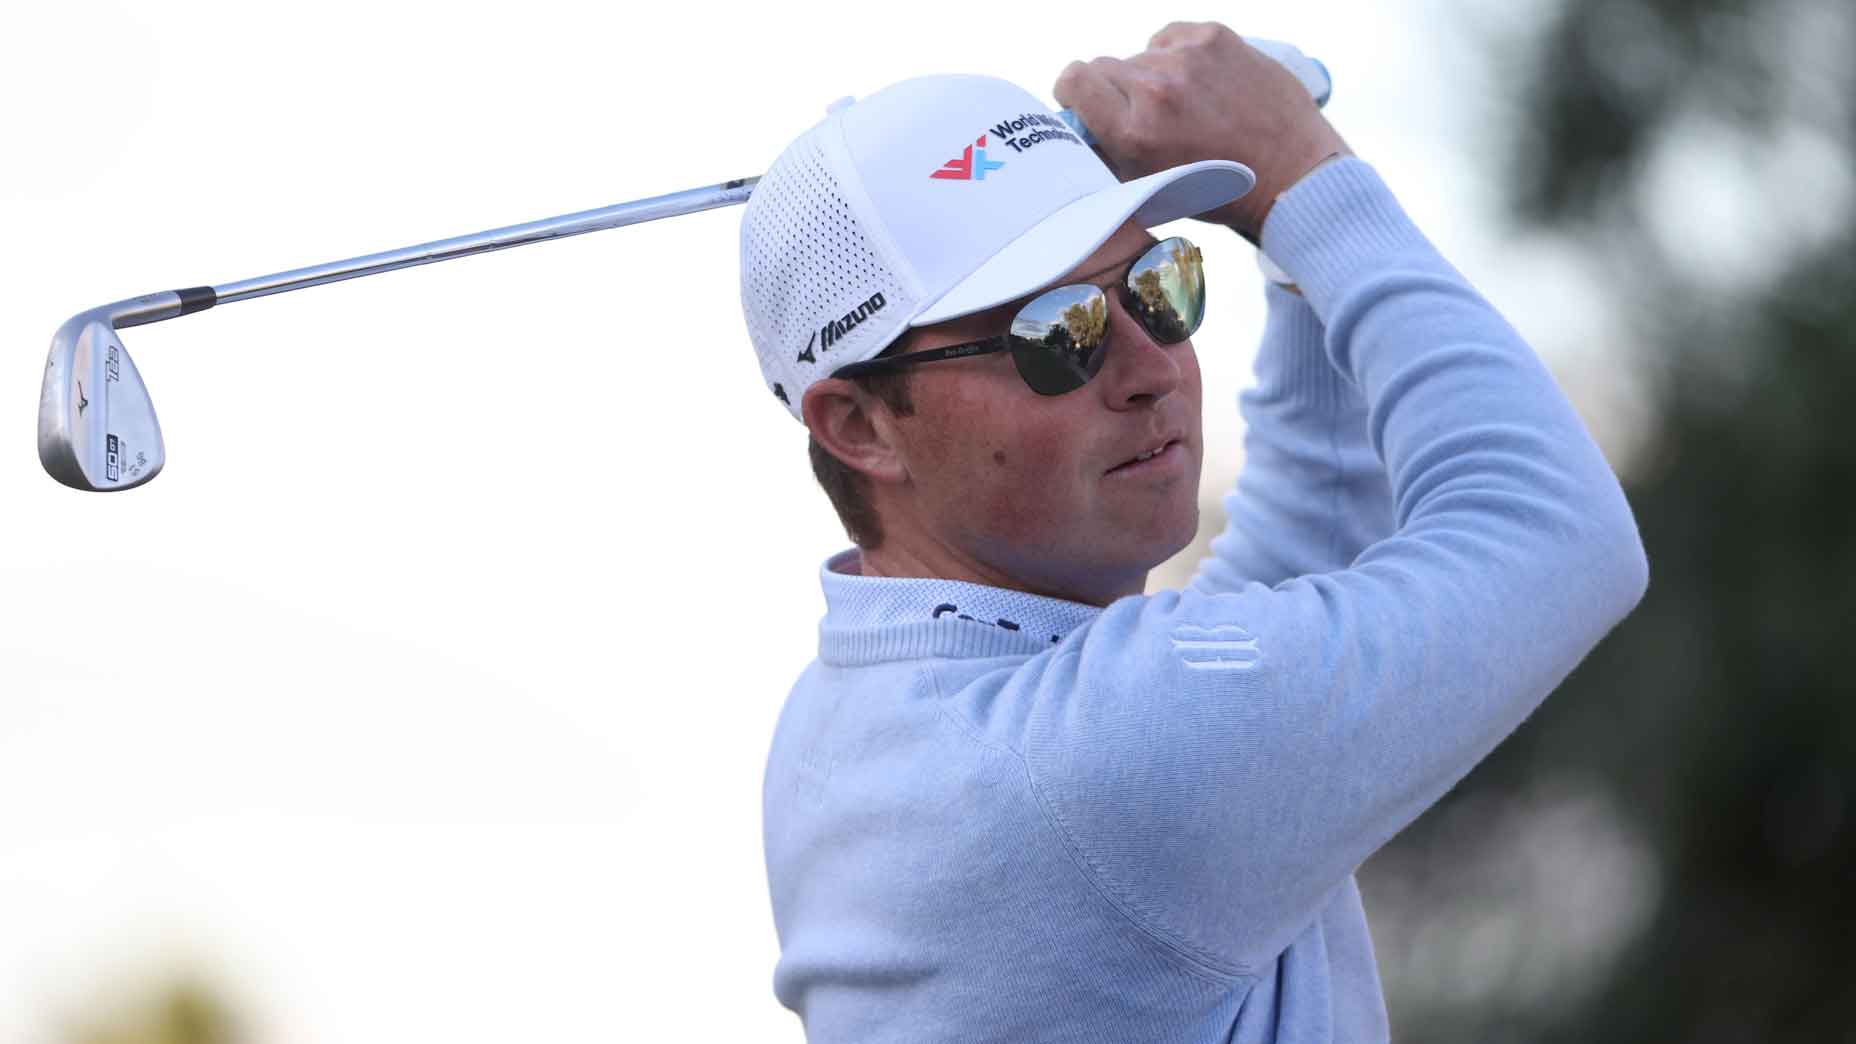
[{"x": 1225, "y": 648}]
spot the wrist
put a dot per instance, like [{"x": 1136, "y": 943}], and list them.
[{"x": 1248, "y": 221}]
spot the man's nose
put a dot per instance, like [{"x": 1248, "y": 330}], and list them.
[{"x": 1138, "y": 371}]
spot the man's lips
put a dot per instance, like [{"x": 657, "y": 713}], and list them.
[{"x": 1164, "y": 452}]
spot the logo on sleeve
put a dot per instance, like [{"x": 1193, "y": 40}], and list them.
[{"x": 1226, "y": 648}]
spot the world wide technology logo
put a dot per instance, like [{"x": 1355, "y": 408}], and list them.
[
  {"x": 1018, "y": 133},
  {"x": 971, "y": 166}
]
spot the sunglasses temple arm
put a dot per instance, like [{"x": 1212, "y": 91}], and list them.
[{"x": 883, "y": 364}]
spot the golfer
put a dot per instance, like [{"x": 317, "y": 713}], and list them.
[{"x": 1016, "y": 799}]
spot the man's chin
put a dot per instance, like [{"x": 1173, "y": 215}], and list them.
[
  {"x": 1181, "y": 540},
  {"x": 1153, "y": 546}
]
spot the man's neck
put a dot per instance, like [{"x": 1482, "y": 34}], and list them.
[{"x": 897, "y": 559}]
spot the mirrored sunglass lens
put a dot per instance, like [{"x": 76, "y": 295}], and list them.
[
  {"x": 1168, "y": 288},
  {"x": 1057, "y": 338}
]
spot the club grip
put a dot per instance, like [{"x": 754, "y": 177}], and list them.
[{"x": 1311, "y": 72}]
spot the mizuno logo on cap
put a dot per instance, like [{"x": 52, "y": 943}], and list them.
[
  {"x": 829, "y": 334},
  {"x": 971, "y": 166}
]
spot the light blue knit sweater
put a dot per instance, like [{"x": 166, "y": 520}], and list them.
[{"x": 991, "y": 816}]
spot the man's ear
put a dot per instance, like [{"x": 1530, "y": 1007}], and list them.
[{"x": 855, "y": 427}]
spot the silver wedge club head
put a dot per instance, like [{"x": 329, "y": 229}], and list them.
[{"x": 97, "y": 427}]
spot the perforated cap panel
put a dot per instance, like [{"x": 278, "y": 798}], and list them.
[{"x": 815, "y": 289}]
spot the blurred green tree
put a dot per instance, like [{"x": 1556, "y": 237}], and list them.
[
  {"x": 1698, "y": 154},
  {"x": 184, "y": 1011}
]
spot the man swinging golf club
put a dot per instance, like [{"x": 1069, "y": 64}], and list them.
[{"x": 1015, "y": 799}]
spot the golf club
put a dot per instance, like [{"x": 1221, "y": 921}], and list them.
[{"x": 97, "y": 426}]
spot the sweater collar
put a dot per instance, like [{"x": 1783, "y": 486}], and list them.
[{"x": 869, "y": 619}]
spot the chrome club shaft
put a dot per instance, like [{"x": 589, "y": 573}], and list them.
[{"x": 97, "y": 426}]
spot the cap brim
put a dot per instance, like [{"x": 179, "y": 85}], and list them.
[{"x": 1065, "y": 239}]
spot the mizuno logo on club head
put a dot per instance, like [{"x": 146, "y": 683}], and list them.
[
  {"x": 834, "y": 331},
  {"x": 971, "y": 166}
]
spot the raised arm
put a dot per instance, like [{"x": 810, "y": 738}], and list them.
[
  {"x": 1312, "y": 493},
  {"x": 1221, "y": 762}
]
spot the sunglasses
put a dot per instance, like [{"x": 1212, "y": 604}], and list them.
[{"x": 1060, "y": 337}]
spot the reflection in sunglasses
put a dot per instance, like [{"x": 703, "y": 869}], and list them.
[
  {"x": 1084, "y": 326},
  {"x": 1168, "y": 289},
  {"x": 1059, "y": 339},
  {"x": 1087, "y": 323}
]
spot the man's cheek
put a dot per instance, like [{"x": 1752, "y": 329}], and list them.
[{"x": 1029, "y": 487}]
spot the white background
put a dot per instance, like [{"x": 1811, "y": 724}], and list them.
[{"x": 426, "y": 694}]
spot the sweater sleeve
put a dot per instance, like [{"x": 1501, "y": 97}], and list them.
[
  {"x": 1218, "y": 762},
  {"x": 1312, "y": 493}
]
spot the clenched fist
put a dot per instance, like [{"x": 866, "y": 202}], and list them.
[{"x": 1199, "y": 92}]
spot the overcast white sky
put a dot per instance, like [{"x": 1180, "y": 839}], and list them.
[{"x": 426, "y": 694}]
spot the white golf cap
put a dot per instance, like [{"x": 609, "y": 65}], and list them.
[{"x": 931, "y": 199}]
